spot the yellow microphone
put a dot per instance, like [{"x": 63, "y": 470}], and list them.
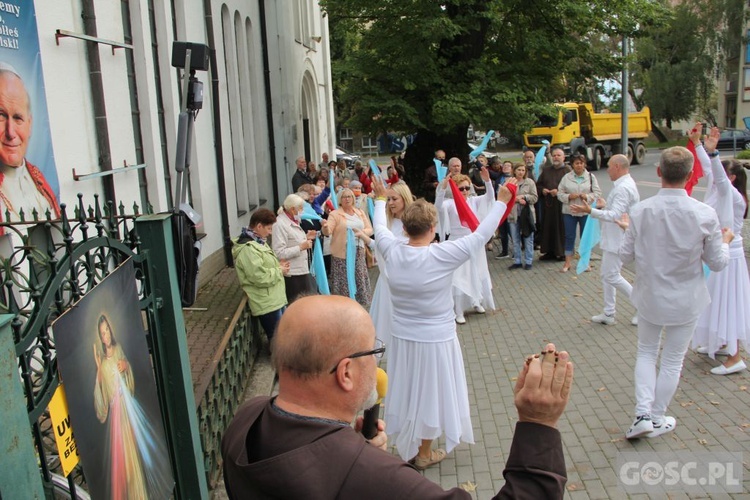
[{"x": 370, "y": 421}]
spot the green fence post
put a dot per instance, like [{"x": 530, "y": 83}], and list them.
[
  {"x": 172, "y": 358},
  {"x": 19, "y": 472}
]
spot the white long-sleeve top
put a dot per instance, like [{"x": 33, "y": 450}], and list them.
[
  {"x": 722, "y": 196},
  {"x": 478, "y": 204},
  {"x": 668, "y": 237},
  {"x": 420, "y": 278},
  {"x": 623, "y": 196}
]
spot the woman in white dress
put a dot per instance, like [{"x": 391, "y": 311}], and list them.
[
  {"x": 725, "y": 322},
  {"x": 398, "y": 198},
  {"x": 472, "y": 285},
  {"x": 427, "y": 392}
]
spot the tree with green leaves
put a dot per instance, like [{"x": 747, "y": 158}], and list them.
[
  {"x": 677, "y": 58},
  {"x": 433, "y": 67}
]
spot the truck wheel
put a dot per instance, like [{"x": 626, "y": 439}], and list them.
[
  {"x": 630, "y": 153},
  {"x": 640, "y": 154},
  {"x": 596, "y": 163}
]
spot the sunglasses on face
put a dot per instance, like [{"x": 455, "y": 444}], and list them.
[{"x": 465, "y": 188}]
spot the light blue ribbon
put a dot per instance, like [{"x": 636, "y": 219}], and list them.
[
  {"x": 371, "y": 208},
  {"x": 308, "y": 213},
  {"x": 441, "y": 170},
  {"x": 589, "y": 239},
  {"x": 473, "y": 155},
  {"x": 351, "y": 258},
  {"x": 318, "y": 269},
  {"x": 539, "y": 159}
]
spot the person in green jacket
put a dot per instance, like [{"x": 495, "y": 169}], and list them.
[{"x": 260, "y": 272}]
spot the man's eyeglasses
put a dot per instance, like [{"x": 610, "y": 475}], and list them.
[
  {"x": 377, "y": 352},
  {"x": 465, "y": 188}
]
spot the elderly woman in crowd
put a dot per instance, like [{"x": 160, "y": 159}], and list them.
[
  {"x": 360, "y": 199},
  {"x": 427, "y": 392},
  {"x": 291, "y": 242},
  {"x": 472, "y": 285},
  {"x": 576, "y": 187},
  {"x": 312, "y": 169},
  {"x": 348, "y": 216},
  {"x": 260, "y": 272},
  {"x": 523, "y": 208},
  {"x": 398, "y": 197}
]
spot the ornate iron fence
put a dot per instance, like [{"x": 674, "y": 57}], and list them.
[
  {"x": 222, "y": 391},
  {"x": 48, "y": 265}
]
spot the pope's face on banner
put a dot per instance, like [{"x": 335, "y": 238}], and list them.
[{"x": 15, "y": 120}]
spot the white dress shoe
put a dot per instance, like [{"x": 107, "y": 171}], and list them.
[
  {"x": 634, "y": 320},
  {"x": 460, "y": 319},
  {"x": 726, "y": 370},
  {"x": 479, "y": 309}
]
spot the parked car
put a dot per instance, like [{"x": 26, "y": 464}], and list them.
[
  {"x": 734, "y": 139},
  {"x": 342, "y": 154}
]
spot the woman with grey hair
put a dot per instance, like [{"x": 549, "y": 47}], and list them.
[{"x": 290, "y": 242}]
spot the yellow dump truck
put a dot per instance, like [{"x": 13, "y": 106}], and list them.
[{"x": 578, "y": 129}]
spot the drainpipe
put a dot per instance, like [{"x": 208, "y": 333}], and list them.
[
  {"x": 269, "y": 105},
  {"x": 97, "y": 96},
  {"x": 218, "y": 151}
]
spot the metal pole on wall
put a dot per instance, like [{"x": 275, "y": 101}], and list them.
[{"x": 625, "y": 86}]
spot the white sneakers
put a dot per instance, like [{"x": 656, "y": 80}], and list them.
[
  {"x": 667, "y": 425},
  {"x": 643, "y": 426},
  {"x": 604, "y": 319},
  {"x": 727, "y": 370},
  {"x": 460, "y": 319}
]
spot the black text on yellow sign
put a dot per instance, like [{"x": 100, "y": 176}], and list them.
[{"x": 66, "y": 444}]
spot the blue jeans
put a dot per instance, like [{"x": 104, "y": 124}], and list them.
[
  {"x": 528, "y": 244},
  {"x": 570, "y": 222},
  {"x": 269, "y": 321}
]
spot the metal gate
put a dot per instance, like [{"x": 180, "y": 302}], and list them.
[{"x": 47, "y": 266}]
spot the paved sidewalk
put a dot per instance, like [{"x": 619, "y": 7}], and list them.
[{"x": 543, "y": 305}]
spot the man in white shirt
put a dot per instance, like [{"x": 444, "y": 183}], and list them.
[
  {"x": 668, "y": 236},
  {"x": 623, "y": 196}
]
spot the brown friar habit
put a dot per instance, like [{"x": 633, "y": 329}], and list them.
[
  {"x": 552, "y": 231},
  {"x": 270, "y": 454}
]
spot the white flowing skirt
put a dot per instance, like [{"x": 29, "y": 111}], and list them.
[
  {"x": 427, "y": 395},
  {"x": 472, "y": 284},
  {"x": 727, "y": 319},
  {"x": 381, "y": 311}
]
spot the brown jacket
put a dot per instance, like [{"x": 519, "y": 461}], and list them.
[{"x": 269, "y": 454}]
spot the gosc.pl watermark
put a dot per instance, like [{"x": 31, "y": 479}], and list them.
[{"x": 650, "y": 472}]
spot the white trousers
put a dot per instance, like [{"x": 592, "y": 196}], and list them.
[
  {"x": 612, "y": 281},
  {"x": 654, "y": 392}
]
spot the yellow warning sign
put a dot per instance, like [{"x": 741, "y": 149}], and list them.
[{"x": 66, "y": 445}]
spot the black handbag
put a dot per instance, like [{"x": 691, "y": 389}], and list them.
[{"x": 525, "y": 221}]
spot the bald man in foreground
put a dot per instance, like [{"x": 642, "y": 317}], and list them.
[
  {"x": 621, "y": 199},
  {"x": 301, "y": 444}
]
